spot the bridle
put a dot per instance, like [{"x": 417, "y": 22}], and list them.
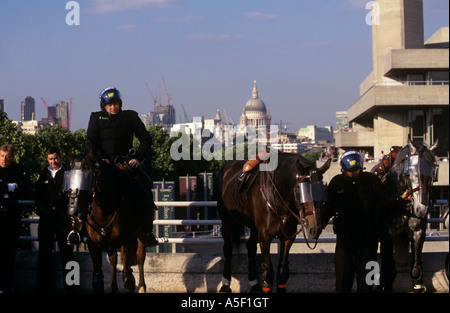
[
  {"x": 414, "y": 164},
  {"x": 302, "y": 212}
]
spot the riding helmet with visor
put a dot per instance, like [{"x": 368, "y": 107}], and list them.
[
  {"x": 351, "y": 160},
  {"x": 110, "y": 95}
]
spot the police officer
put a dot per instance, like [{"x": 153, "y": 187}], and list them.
[
  {"x": 52, "y": 208},
  {"x": 357, "y": 200},
  {"x": 11, "y": 182},
  {"x": 110, "y": 134}
]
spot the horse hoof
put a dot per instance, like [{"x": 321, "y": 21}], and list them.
[
  {"x": 97, "y": 282},
  {"x": 225, "y": 289},
  {"x": 419, "y": 289},
  {"x": 142, "y": 289}
]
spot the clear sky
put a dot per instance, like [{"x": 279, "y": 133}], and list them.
[{"x": 307, "y": 56}]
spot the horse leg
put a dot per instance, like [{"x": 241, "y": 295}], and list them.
[
  {"x": 127, "y": 271},
  {"x": 227, "y": 252},
  {"x": 417, "y": 226},
  {"x": 140, "y": 255},
  {"x": 266, "y": 262},
  {"x": 283, "y": 264},
  {"x": 113, "y": 263},
  {"x": 251, "y": 253},
  {"x": 97, "y": 275}
]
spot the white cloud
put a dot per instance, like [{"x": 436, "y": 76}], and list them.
[
  {"x": 109, "y": 6},
  {"x": 260, "y": 16},
  {"x": 355, "y": 4}
]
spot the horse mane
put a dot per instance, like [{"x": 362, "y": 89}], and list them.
[{"x": 287, "y": 163}]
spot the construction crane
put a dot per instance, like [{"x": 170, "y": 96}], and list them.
[
  {"x": 48, "y": 111},
  {"x": 186, "y": 118},
  {"x": 155, "y": 101},
  {"x": 167, "y": 92}
]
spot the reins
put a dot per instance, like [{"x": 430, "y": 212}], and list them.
[{"x": 287, "y": 209}]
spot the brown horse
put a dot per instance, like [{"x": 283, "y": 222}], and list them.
[
  {"x": 271, "y": 204},
  {"x": 113, "y": 220}
]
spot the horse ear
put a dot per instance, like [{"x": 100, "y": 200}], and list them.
[
  {"x": 301, "y": 166},
  {"x": 325, "y": 167},
  {"x": 435, "y": 145},
  {"x": 412, "y": 147}
]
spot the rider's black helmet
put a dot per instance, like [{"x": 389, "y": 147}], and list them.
[
  {"x": 351, "y": 160},
  {"x": 110, "y": 95}
]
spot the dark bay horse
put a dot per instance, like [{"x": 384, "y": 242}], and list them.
[
  {"x": 272, "y": 206},
  {"x": 113, "y": 220},
  {"x": 414, "y": 169}
]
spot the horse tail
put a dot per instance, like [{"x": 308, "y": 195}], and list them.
[{"x": 230, "y": 228}]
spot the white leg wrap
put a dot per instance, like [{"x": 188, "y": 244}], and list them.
[{"x": 253, "y": 282}]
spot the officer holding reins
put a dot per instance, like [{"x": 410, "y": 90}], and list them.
[{"x": 357, "y": 201}]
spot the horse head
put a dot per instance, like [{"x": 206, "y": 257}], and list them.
[
  {"x": 418, "y": 169},
  {"x": 79, "y": 184},
  {"x": 311, "y": 196}
]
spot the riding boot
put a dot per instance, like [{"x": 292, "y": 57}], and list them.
[
  {"x": 149, "y": 238},
  {"x": 146, "y": 211}
]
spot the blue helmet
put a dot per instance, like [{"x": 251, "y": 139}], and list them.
[
  {"x": 109, "y": 95},
  {"x": 351, "y": 160}
]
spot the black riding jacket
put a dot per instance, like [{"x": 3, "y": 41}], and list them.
[
  {"x": 358, "y": 206},
  {"x": 109, "y": 135}
]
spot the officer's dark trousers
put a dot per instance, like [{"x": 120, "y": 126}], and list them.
[
  {"x": 351, "y": 261},
  {"x": 9, "y": 237},
  {"x": 50, "y": 224}
]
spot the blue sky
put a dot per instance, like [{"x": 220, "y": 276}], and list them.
[{"x": 307, "y": 56}]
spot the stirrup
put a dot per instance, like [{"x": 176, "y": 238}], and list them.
[
  {"x": 73, "y": 238},
  {"x": 150, "y": 240}
]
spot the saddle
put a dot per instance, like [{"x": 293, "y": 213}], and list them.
[
  {"x": 246, "y": 178},
  {"x": 385, "y": 164}
]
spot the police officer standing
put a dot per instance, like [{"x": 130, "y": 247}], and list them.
[
  {"x": 357, "y": 200},
  {"x": 52, "y": 208},
  {"x": 11, "y": 182},
  {"x": 110, "y": 134}
]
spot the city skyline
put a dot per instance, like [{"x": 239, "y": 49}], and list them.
[{"x": 308, "y": 58}]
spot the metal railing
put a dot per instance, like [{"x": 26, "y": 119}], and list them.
[{"x": 217, "y": 238}]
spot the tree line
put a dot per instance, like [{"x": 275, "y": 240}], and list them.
[{"x": 158, "y": 164}]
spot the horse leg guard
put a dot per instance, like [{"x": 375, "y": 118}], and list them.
[
  {"x": 268, "y": 276},
  {"x": 417, "y": 277},
  {"x": 97, "y": 282}
]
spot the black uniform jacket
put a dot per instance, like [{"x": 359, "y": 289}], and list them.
[
  {"x": 358, "y": 206},
  {"x": 109, "y": 135},
  {"x": 49, "y": 195},
  {"x": 9, "y": 206},
  {"x": 9, "y": 175}
]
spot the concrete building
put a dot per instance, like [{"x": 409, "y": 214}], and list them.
[
  {"x": 406, "y": 96},
  {"x": 316, "y": 134}
]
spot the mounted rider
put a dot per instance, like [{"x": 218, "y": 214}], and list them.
[{"x": 110, "y": 136}]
